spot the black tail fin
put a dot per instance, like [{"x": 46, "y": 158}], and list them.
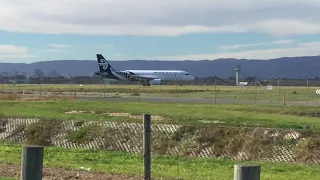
[{"x": 104, "y": 66}]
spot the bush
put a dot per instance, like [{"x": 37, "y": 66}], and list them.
[
  {"x": 41, "y": 132},
  {"x": 84, "y": 134},
  {"x": 309, "y": 150}
]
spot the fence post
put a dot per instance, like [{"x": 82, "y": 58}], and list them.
[
  {"x": 147, "y": 146},
  {"x": 32, "y": 162},
  {"x": 246, "y": 172}
]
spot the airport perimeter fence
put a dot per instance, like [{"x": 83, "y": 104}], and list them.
[
  {"x": 163, "y": 151},
  {"x": 287, "y": 92}
]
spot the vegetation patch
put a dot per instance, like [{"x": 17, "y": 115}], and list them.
[
  {"x": 241, "y": 143},
  {"x": 3, "y": 121},
  {"x": 309, "y": 149},
  {"x": 301, "y": 113},
  {"x": 223, "y": 142},
  {"x": 227, "y": 142},
  {"x": 41, "y": 133},
  {"x": 10, "y": 97},
  {"x": 19, "y": 129},
  {"x": 84, "y": 133}
]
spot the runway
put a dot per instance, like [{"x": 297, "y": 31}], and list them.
[{"x": 200, "y": 101}]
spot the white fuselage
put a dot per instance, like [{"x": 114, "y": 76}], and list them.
[{"x": 164, "y": 75}]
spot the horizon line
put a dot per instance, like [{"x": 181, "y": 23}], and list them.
[{"x": 162, "y": 60}]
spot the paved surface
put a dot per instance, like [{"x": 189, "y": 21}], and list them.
[{"x": 193, "y": 100}]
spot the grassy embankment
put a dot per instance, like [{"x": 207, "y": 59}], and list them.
[{"x": 273, "y": 116}]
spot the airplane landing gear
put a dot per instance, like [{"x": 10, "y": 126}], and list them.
[{"x": 146, "y": 83}]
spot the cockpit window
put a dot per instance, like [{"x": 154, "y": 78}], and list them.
[{"x": 187, "y": 74}]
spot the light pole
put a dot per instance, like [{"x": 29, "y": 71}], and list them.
[
  {"x": 40, "y": 81},
  {"x": 307, "y": 90},
  {"x": 2, "y": 82},
  {"x": 100, "y": 88},
  {"x": 176, "y": 86},
  {"x": 278, "y": 89},
  {"x": 70, "y": 83},
  {"x": 215, "y": 88},
  {"x": 255, "y": 88},
  {"x": 139, "y": 87}
]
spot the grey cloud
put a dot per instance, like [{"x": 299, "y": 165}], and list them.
[
  {"x": 208, "y": 16},
  {"x": 112, "y": 16}
]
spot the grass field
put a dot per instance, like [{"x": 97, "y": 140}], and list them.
[
  {"x": 275, "y": 116},
  {"x": 6, "y": 178},
  {"x": 271, "y": 116},
  {"x": 186, "y": 91},
  {"x": 185, "y": 168}
]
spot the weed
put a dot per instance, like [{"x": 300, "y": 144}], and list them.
[
  {"x": 10, "y": 97},
  {"x": 309, "y": 150},
  {"x": 3, "y": 121},
  {"x": 19, "y": 129},
  {"x": 41, "y": 132},
  {"x": 78, "y": 123},
  {"x": 84, "y": 134}
]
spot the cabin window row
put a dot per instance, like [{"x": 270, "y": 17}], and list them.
[{"x": 158, "y": 74}]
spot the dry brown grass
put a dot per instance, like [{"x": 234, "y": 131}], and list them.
[
  {"x": 48, "y": 98},
  {"x": 9, "y": 97},
  {"x": 309, "y": 150},
  {"x": 51, "y": 97},
  {"x": 117, "y": 114}
]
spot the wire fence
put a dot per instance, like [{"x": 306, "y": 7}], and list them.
[
  {"x": 177, "y": 151},
  {"x": 256, "y": 92}
]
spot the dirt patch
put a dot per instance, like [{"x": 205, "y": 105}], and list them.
[
  {"x": 153, "y": 117},
  {"x": 46, "y": 98},
  {"x": 79, "y": 112},
  {"x": 64, "y": 174},
  {"x": 210, "y": 122}
]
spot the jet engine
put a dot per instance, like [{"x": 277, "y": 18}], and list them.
[{"x": 155, "y": 81}]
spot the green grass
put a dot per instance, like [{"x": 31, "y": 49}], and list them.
[
  {"x": 275, "y": 116},
  {"x": 293, "y": 93},
  {"x": 6, "y": 178},
  {"x": 186, "y": 168}
]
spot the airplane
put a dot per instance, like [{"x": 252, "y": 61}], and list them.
[{"x": 147, "y": 76}]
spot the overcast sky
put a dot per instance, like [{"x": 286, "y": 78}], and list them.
[{"x": 39, "y": 30}]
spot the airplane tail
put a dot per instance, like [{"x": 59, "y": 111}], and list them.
[{"x": 104, "y": 66}]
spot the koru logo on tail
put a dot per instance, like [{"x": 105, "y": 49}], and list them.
[
  {"x": 318, "y": 91},
  {"x": 103, "y": 62}
]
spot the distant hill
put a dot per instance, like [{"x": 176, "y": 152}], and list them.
[{"x": 291, "y": 67}]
